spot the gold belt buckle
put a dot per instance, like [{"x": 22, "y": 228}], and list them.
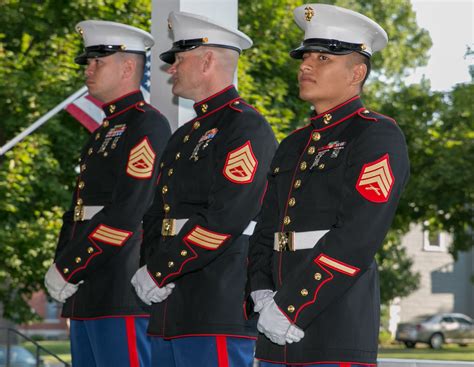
[
  {"x": 78, "y": 213},
  {"x": 168, "y": 227},
  {"x": 286, "y": 241}
]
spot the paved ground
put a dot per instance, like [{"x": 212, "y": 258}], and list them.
[{"x": 391, "y": 362}]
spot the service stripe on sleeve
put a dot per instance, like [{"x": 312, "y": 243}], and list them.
[
  {"x": 109, "y": 235},
  {"x": 209, "y": 240}
]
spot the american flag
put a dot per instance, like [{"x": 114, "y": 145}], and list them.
[{"x": 88, "y": 111}]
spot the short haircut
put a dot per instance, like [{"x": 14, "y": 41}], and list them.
[{"x": 358, "y": 58}]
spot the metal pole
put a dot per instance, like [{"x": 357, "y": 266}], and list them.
[{"x": 41, "y": 121}]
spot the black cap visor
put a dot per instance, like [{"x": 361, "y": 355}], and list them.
[
  {"x": 93, "y": 52},
  {"x": 333, "y": 47}
]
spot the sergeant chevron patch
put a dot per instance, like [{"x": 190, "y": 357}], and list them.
[
  {"x": 241, "y": 165},
  {"x": 141, "y": 160},
  {"x": 376, "y": 180},
  {"x": 205, "y": 238},
  {"x": 337, "y": 265},
  {"x": 109, "y": 235}
]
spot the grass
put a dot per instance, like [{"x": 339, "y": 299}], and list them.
[
  {"x": 449, "y": 352},
  {"x": 59, "y": 347}
]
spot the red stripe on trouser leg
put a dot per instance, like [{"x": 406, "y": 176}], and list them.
[
  {"x": 132, "y": 342},
  {"x": 222, "y": 356},
  {"x": 344, "y": 365}
]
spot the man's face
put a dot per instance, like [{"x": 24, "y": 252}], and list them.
[
  {"x": 103, "y": 76},
  {"x": 324, "y": 78},
  {"x": 186, "y": 74}
]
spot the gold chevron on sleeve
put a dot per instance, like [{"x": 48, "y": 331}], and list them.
[
  {"x": 241, "y": 164},
  {"x": 141, "y": 160},
  {"x": 376, "y": 180},
  {"x": 205, "y": 238},
  {"x": 337, "y": 265},
  {"x": 109, "y": 235}
]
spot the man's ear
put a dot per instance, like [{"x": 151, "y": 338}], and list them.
[
  {"x": 208, "y": 60},
  {"x": 359, "y": 71},
  {"x": 128, "y": 69}
]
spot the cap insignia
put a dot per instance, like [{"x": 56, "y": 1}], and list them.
[
  {"x": 123, "y": 47},
  {"x": 308, "y": 13},
  {"x": 170, "y": 26}
]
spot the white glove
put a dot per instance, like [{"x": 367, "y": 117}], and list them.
[
  {"x": 57, "y": 287},
  {"x": 294, "y": 334},
  {"x": 147, "y": 289},
  {"x": 273, "y": 323},
  {"x": 260, "y": 298}
]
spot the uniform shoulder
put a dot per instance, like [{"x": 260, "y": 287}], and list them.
[
  {"x": 150, "y": 118},
  {"x": 247, "y": 115}
]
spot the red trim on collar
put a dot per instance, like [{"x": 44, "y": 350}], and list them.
[
  {"x": 215, "y": 110},
  {"x": 120, "y": 98},
  {"x": 338, "y": 122},
  {"x": 335, "y": 108},
  {"x": 122, "y": 111},
  {"x": 214, "y": 95}
]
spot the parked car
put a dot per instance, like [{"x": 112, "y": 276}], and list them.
[
  {"x": 436, "y": 330},
  {"x": 19, "y": 357}
]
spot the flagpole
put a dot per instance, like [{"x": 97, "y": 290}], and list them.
[{"x": 41, "y": 120}]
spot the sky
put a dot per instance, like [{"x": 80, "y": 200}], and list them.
[{"x": 450, "y": 24}]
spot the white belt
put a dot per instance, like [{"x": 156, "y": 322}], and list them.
[
  {"x": 171, "y": 227},
  {"x": 293, "y": 241},
  {"x": 86, "y": 212}
]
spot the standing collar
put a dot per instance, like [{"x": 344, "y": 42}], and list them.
[
  {"x": 335, "y": 114},
  {"x": 122, "y": 103},
  {"x": 216, "y": 100}
]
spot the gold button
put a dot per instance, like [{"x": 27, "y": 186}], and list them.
[
  {"x": 318, "y": 276},
  {"x": 196, "y": 125},
  {"x": 184, "y": 253},
  {"x": 304, "y": 292},
  {"x": 81, "y": 185},
  {"x": 158, "y": 274},
  {"x": 178, "y": 155},
  {"x": 79, "y": 201},
  {"x": 292, "y": 202},
  {"x": 78, "y": 260},
  {"x": 297, "y": 184},
  {"x": 90, "y": 151},
  {"x": 141, "y": 104},
  {"x": 90, "y": 250},
  {"x": 83, "y": 167},
  {"x": 236, "y": 103},
  {"x": 311, "y": 150},
  {"x": 106, "y": 123},
  {"x": 303, "y": 165},
  {"x": 287, "y": 220},
  {"x": 170, "y": 171},
  {"x": 166, "y": 208},
  {"x": 162, "y": 164},
  {"x": 186, "y": 139},
  {"x": 315, "y": 136},
  {"x": 106, "y": 154},
  {"x": 276, "y": 170},
  {"x": 97, "y": 136},
  {"x": 321, "y": 166},
  {"x": 363, "y": 47},
  {"x": 327, "y": 118},
  {"x": 170, "y": 264},
  {"x": 164, "y": 190},
  {"x": 366, "y": 111},
  {"x": 291, "y": 308},
  {"x": 65, "y": 270}
]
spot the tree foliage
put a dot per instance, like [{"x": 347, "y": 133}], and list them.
[{"x": 36, "y": 178}]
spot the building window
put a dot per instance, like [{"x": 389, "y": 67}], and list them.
[
  {"x": 52, "y": 312},
  {"x": 434, "y": 241}
]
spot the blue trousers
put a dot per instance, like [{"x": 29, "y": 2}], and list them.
[
  {"x": 118, "y": 342},
  {"x": 341, "y": 364},
  {"x": 202, "y": 351}
]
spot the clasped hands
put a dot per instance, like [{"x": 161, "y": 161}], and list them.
[{"x": 272, "y": 322}]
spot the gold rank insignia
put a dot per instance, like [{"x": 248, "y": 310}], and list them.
[
  {"x": 141, "y": 160},
  {"x": 205, "y": 238},
  {"x": 241, "y": 165},
  {"x": 109, "y": 235},
  {"x": 376, "y": 180},
  {"x": 308, "y": 13}
]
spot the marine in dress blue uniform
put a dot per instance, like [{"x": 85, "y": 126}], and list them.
[
  {"x": 99, "y": 246},
  {"x": 212, "y": 180},
  {"x": 333, "y": 189}
]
